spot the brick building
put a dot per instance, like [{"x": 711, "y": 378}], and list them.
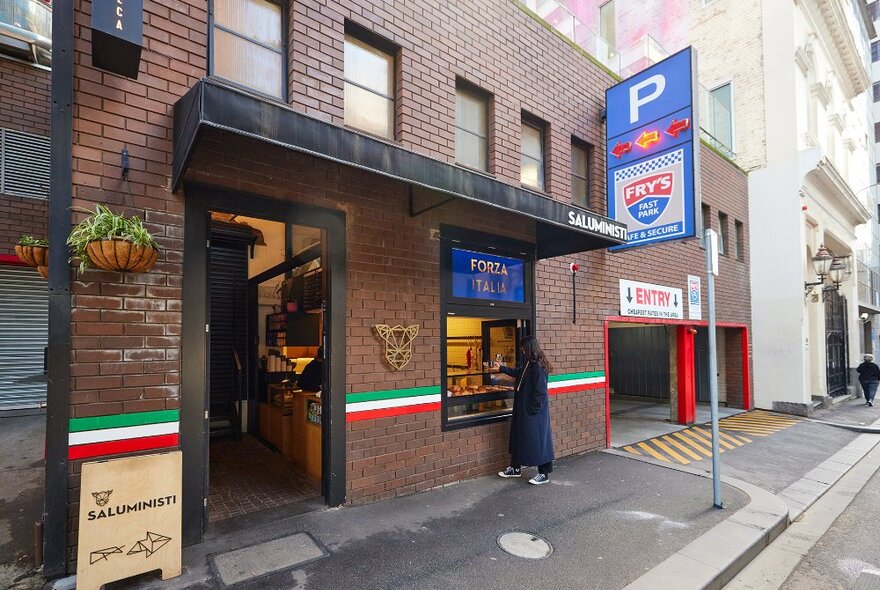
[
  {"x": 25, "y": 59},
  {"x": 361, "y": 151}
]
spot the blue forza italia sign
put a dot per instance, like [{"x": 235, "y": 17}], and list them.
[
  {"x": 476, "y": 275},
  {"x": 652, "y": 152}
]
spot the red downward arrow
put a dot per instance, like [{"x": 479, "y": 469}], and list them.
[
  {"x": 677, "y": 127},
  {"x": 622, "y": 148}
]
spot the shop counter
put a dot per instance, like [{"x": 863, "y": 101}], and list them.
[{"x": 291, "y": 422}]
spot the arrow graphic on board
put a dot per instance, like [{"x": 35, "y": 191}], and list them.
[
  {"x": 621, "y": 149},
  {"x": 629, "y": 296},
  {"x": 677, "y": 126},
  {"x": 675, "y": 300},
  {"x": 647, "y": 138}
]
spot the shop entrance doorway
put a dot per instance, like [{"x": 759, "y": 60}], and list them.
[{"x": 272, "y": 374}]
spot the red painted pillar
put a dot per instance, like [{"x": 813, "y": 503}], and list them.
[
  {"x": 746, "y": 372},
  {"x": 687, "y": 376}
]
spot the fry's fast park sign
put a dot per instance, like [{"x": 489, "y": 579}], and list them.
[{"x": 652, "y": 152}]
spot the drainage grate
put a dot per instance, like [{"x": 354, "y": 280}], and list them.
[{"x": 525, "y": 545}]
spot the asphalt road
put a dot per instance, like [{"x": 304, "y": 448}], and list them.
[
  {"x": 21, "y": 498},
  {"x": 609, "y": 519},
  {"x": 851, "y": 545}
]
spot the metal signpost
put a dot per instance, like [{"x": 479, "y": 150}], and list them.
[
  {"x": 711, "y": 241},
  {"x": 653, "y": 180}
]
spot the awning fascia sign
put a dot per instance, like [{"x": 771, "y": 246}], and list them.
[{"x": 561, "y": 228}]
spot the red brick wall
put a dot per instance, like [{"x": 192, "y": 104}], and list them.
[
  {"x": 24, "y": 97},
  {"x": 126, "y": 328},
  {"x": 24, "y": 106},
  {"x": 20, "y": 215}
]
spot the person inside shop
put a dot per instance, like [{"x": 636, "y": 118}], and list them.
[
  {"x": 312, "y": 377},
  {"x": 869, "y": 378},
  {"x": 531, "y": 442}
]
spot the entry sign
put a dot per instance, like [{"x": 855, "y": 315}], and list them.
[
  {"x": 118, "y": 36},
  {"x": 644, "y": 300},
  {"x": 652, "y": 151},
  {"x": 695, "y": 298},
  {"x": 129, "y": 519}
]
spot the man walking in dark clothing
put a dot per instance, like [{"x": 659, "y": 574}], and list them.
[{"x": 869, "y": 378}]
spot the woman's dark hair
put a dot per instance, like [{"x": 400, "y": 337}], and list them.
[{"x": 533, "y": 353}]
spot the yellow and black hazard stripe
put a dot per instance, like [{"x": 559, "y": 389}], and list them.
[{"x": 695, "y": 443}]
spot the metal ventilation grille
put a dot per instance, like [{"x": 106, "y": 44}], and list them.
[
  {"x": 24, "y": 325},
  {"x": 24, "y": 164}
]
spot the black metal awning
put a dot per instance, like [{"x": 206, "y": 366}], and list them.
[{"x": 560, "y": 229}]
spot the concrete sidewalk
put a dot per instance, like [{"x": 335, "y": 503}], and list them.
[{"x": 609, "y": 520}]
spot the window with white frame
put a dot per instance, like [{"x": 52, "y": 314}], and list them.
[
  {"x": 721, "y": 114},
  {"x": 248, "y": 45},
  {"x": 471, "y": 127},
  {"x": 369, "y": 87},
  {"x": 532, "y": 156}
]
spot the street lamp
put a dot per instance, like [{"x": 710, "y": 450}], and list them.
[{"x": 822, "y": 263}]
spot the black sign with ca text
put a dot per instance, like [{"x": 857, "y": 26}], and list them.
[{"x": 118, "y": 36}]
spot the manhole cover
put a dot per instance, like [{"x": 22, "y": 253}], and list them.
[{"x": 525, "y": 545}]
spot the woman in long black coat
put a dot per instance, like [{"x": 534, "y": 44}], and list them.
[{"x": 531, "y": 442}]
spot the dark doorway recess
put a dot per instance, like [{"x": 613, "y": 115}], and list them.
[
  {"x": 227, "y": 321},
  {"x": 836, "y": 338},
  {"x": 638, "y": 361}
]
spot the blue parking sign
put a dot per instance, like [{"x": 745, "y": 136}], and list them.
[{"x": 652, "y": 152}]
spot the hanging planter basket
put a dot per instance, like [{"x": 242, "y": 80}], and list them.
[
  {"x": 121, "y": 255},
  {"x": 33, "y": 255},
  {"x": 44, "y": 271},
  {"x": 112, "y": 242}
]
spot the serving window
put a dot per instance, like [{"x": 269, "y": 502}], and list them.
[{"x": 488, "y": 307}]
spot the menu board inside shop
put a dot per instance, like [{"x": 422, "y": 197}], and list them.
[{"x": 477, "y": 275}]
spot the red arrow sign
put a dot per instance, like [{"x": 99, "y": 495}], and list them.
[
  {"x": 677, "y": 127},
  {"x": 622, "y": 148},
  {"x": 647, "y": 138}
]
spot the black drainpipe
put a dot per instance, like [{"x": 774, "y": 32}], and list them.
[{"x": 58, "y": 384}]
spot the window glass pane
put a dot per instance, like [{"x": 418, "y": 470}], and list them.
[
  {"x": 578, "y": 160},
  {"x": 722, "y": 233},
  {"x": 532, "y": 172},
  {"x": 740, "y": 246},
  {"x": 470, "y": 149},
  {"x": 473, "y": 387},
  {"x": 470, "y": 112},
  {"x": 579, "y": 191},
  {"x": 248, "y": 64},
  {"x": 721, "y": 113},
  {"x": 369, "y": 112},
  {"x": 368, "y": 66},
  {"x": 257, "y": 19},
  {"x": 532, "y": 142}
]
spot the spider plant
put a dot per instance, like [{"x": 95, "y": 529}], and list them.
[
  {"x": 103, "y": 224},
  {"x": 26, "y": 240}
]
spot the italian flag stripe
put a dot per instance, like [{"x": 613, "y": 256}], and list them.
[
  {"x": 116, "y": 447},
  {"x": 388, "y": 412},
  {"x": 393, "y": 403},
  {"x": 571, "y": 388},
  {"x": 570, "y": 376},
  {"x": 352, "y": 398},
  {"x": 123, "y": 420},
  {"x": 125, "y": 433}
]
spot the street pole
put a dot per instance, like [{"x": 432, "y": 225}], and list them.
[{"x": 711, "y": 241}]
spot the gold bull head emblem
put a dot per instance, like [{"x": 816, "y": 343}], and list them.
[
  {"x": 398, "y": 343},
  {"x": 101, "y": 498}
]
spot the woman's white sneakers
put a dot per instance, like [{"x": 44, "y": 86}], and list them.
[
  {"x": 539, "y": 479},
  {"x": 510, "y": 472}
]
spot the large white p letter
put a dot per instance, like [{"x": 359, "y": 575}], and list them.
[{"x": 635, "y": 101}]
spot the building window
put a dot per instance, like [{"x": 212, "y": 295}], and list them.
[
  {"x": 488, "y": 290},
  {"x": 707, "y": 223},
  {"x": 873, "y": 11},
  {"x": 877, "y": 173},
  {"x": 721, "y": 114},
  {"x": 532, "y": 158},
  {"x": 875, "y": 87},
  {"x": 369, "y": 87},
  {"x": 580, "y": 173},
  {"x": 248, "y": 45},
  {"x": 740, "y": 240},
  {"x": 723, "y": 234},
  {"x": 471, "y": 127},
  {"x": 875, "y": 51}
]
